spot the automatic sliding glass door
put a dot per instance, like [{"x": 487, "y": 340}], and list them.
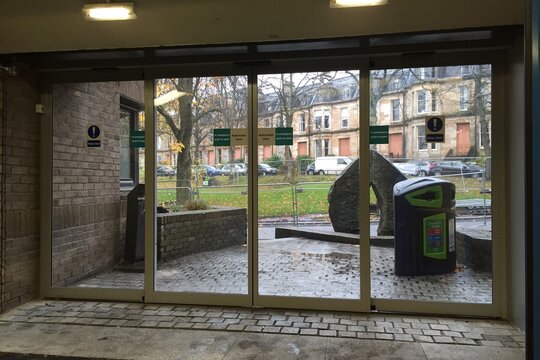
[
  {"x": 431, "y": 234},
  {"x": 307, "y": 152},
  {"x": 201, "y": 186}
]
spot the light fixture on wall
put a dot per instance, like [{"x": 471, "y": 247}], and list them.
[
  {"x": 109, "y": 11},
  {"x": 356, "y": 3}
]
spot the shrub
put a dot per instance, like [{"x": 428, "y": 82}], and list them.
[
  {"x": 303, "y": 161},
  {"x": 196, "y": 205},
  {"x": 274, "y": 161}
]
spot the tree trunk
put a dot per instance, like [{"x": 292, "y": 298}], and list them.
[{"x": 183, "y": 170}]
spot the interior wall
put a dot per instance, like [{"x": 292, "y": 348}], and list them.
[
  {"x": 86, "y": 189},
  {"x": 515, "y": 130},
  {"x": 56, "y": 25},
  {"x": 20, "y": 150}
]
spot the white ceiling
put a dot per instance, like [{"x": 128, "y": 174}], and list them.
[{"x": 57, "y": 25}]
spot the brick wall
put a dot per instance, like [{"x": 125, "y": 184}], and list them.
[
  {"x": 195, "y": 231},
  {"x": 87, "y": 209},
  {"x": 20, "y": 203}
]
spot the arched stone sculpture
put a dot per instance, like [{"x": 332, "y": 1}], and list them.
[{"x": 343, "y": 195}]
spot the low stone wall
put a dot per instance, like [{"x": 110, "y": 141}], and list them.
[
  {"x": 190, "y": 232},
  {"x": 474, "y": 250}
]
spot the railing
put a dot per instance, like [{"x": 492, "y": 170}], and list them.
[{"x": 303, "y": 193}]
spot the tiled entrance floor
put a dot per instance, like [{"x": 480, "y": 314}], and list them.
[
  {"x": 303, "y": 267},
  {"x": 413, "y": 329}
]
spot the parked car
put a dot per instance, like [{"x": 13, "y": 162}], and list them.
[
  {"x": 457, "y": 168},
  {"x": 163, "y": 170},
  {"x": 212, "y": 170},
  {"x": 207, "y": 170},
  {"x": 310, "y": 169},
  {"x": 331, "y": 164},
  {"x": 265, "y": 169},
  {"x": 415, "y": 167},
  {"x": 232, "y": 169}
]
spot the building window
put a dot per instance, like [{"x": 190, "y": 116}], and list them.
[
  {"x": 422, "y": 144},
  {"x": 219, "y": 156},
  {"x": 327, "y": 119},
  {"x": 302, "y": 123},
  {"x": 326, "y": 147},
  {"x": 344, "y": 117},
  {"x": 463, "y": 98},
  {"x": 421, "y": 136},
  {"x": 318, "y": 119},
  {"x": 395, "y": 110},
  {"x": 434, "y": 102},
  {"x": 465, "y": 70},
  {"x": 421, "y": 101},
  {"x": 318, "y": 148},
  {"x": 426, "y": 73},
  {"x": 347, "y": 92},
  {"x": 266, "y": 123}
]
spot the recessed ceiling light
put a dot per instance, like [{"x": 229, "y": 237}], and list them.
[
  {"x": 109, "y": 11},
  {"x": 356, "y": 3}
]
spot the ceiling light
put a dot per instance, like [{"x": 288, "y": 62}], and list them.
[
  {"x": 356, "y": 3},
  {"x": 109, "y": 11}
]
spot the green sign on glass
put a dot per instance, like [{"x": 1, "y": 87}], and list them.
[
  {"x": 378, "y": 134},
  {"x": 284, "y": 136},
  {"x": 222, "y": 137},
  {"x": 137, "y": 139}
]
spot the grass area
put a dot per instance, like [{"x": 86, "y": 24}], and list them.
[{"x": 276, "y": 197}]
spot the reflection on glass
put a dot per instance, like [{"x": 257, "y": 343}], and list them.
[
  {"x": 434, "y": 258},
  {"x": 201, "y": 188},
  {"x": 300, "y": 254},
  {"x": 95, "y": 167}
]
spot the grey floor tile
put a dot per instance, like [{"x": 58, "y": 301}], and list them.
[
  {"x": 460, "y": 352},
  {"x": 344, "y": 349},
  {"x": 270, "y": 346}
]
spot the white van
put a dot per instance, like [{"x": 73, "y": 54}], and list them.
[{"x": 331, "y": 164}]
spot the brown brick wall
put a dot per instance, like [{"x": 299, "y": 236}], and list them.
[
  {"x": 88, "y": 231},
  {"x": 20, "y": 205}
]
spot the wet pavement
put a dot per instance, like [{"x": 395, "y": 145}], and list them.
[{"x": 303, "y": 267}]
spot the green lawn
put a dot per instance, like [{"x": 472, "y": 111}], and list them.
[{"x": 276, "y": 198}]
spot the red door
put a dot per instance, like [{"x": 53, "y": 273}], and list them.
[
  {"x": 463, "y": 139},
  {"x": 267, "y": 152},
  {"x": 344, "y": 147},
  {"x": 211, "y": 157},
  {"x": 395, "y": 145},
  {"x": 302, "y": 148}
]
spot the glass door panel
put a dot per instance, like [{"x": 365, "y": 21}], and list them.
[
  {"x": 98, "y": 221},
  {"x": 308, "y": 136},
  {"x": 433, "y": 240},
  {"x": 202, "y": 189}
]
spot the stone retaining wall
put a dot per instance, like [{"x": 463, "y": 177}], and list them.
[
  {"x": 474, "y": 252},
  {"x": 189, "y": 232}
]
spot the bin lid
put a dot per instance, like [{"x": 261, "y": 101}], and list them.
[{"x": 425, "y": 192}]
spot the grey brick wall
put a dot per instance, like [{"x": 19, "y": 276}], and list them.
[
  {"x": 88, "y": 224},
  {"x": 191, "y": 232},
  {"x": 20, "y": 205}
]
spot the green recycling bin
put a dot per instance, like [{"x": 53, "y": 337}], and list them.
[{"x": 424, "y": 227}]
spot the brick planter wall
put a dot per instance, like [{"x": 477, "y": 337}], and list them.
[{"x": 189, "y": 232}]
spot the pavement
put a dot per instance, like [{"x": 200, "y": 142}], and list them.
[
  {"x": 114, "y": 330},
  {"x": 302, "y": 267}
]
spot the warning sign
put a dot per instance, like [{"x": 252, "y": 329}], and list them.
[{"x": 434, "y": 129}]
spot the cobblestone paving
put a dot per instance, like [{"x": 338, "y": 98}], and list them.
[
  {"x": 493, "y": 333},
  {"x": 303, "y": 267}
]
